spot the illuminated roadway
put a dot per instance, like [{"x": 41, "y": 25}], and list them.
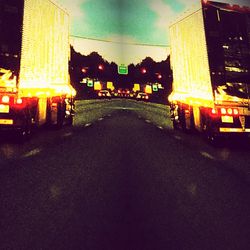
[{"x": 122, "y": 179}]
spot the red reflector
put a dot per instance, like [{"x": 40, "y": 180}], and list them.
[
  {"x": 5, "y": 99},
  {"x": 19, "y": 101},
  {"x": 213, "y": 111}
]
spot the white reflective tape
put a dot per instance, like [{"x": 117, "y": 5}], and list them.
[{"x": 207, "y": 155}]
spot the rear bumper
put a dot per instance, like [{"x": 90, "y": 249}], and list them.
[
  {"x": 234, "y": 130},
  {"x": 14, "y": 120}
]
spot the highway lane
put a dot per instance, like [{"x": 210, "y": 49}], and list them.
[{"x": 121, "y": 178}]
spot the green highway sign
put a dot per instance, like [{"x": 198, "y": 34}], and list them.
[
  {"x": 122, "y": 69},
  {"x": 155, "y": 87},
  {"x": 90, "y": 83}
]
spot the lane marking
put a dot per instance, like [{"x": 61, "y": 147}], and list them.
[
  {"x": 122, "y": 108},
  {"x": 87, "y": 125},
  {"x": 160, "y": 127},
  {"x": 100, "y": 119},
  {"x": 147, "y": 121},
  {"x": 177, "y": 137},
  {"x": 32, "y": 152},
  {"x": 207, "y": 155},
  {"x": 67, "y": 134}
]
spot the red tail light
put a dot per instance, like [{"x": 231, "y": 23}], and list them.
[
  {"x": 214, "y": 111},
  {"x": 224, "y": 111},
  {"x": 229, "y": 111},
  {"x": 19, "y": 101},
  {"x": 5, "y": 99}
]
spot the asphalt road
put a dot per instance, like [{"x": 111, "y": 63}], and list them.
[{"x": 122, "y": 179}]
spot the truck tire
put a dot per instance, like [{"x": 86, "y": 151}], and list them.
[
  {"x": 210, "y": 136},
  {"x": 175, "y": 125},
  {"x": 60, "y": 115},
  {"x": 182, "y": 120},
  {"x": 25, "y": 132}
]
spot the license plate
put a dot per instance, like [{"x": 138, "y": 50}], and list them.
[
  {"x": 227, "y": 119},
  {"x": 6, "y": 121},
  {"x": 4, "y": 108}
]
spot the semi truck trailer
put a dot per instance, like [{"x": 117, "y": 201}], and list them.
[
  {"x": 35, "y": 87},
  {"x": 210, "y": 60}
]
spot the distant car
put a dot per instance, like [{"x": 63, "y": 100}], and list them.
[
  {"x": 123, "y": 93},
  {"x": 142, "y": 96},
  {"x": 104, "y": 94}
]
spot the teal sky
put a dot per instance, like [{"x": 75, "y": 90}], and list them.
[
  {"x": 127, "y": 22},
  {"x": 140, "y": 21}
]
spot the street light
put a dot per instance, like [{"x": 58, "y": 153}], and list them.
[{"x": 84, "y": 70}]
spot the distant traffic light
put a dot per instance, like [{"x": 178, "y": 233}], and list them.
[{"x": 100, "y": 67}]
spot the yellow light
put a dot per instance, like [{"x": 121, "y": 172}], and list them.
[
  {"x": 110, "y": 85},
  {"x": 136, "y": 87},
  {"x": 148, "y": 89},
  {"x": 97, "y": 86}
]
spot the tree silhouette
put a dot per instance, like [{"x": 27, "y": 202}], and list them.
[{"x": 96, "y": 67}]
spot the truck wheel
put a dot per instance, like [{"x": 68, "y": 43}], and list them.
[
  {"x": 24, "y": 133},
  {"x": 70, "y": 120},
  {"x": 211, "y": 137},
  {"x": 182, "y": 120},
  {"x": 60, "y": 115}
]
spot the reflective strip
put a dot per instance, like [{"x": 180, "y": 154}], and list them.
[
  {"x": 238, "y": 130},
  {"x": 4, "y": 108},
  {"x": 6, "y": 121}
]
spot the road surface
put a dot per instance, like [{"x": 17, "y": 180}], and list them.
[{"x": 121, "y": 178}]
